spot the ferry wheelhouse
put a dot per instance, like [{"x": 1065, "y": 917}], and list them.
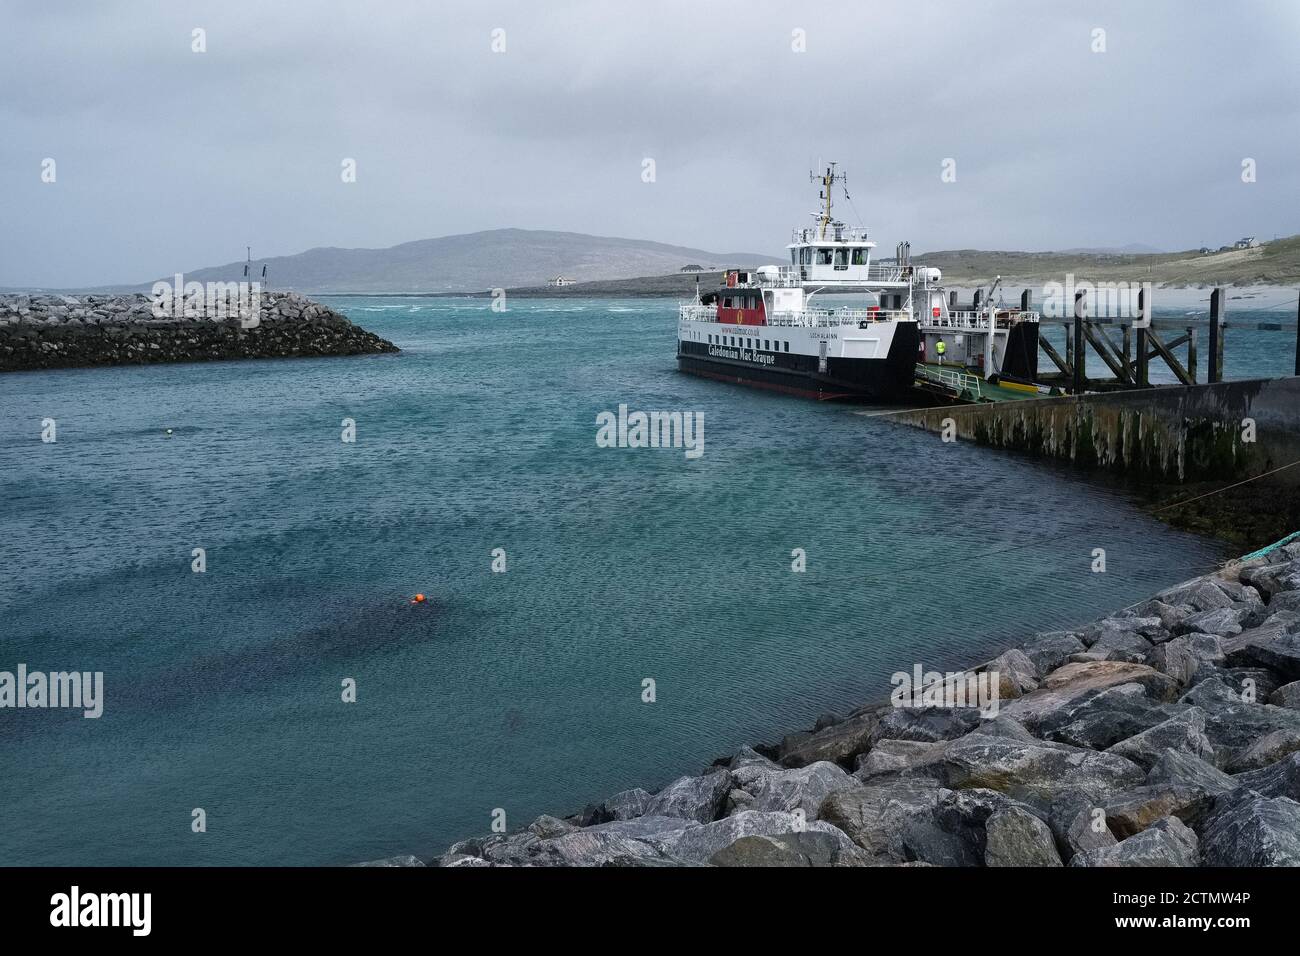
[{"x": 768, "y": 326}]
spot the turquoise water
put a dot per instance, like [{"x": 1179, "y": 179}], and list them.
[{"x": 520, "y": 690}]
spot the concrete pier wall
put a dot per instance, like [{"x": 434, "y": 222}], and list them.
[{"x": 1173, "y": 433}]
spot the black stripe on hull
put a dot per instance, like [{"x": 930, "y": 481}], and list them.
[{"x": 885, "y": 379}]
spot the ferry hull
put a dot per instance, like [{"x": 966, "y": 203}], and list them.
[{"x": 887, "y": 379}]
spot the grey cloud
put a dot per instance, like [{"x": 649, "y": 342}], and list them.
[{"x": 169, "y": 160}]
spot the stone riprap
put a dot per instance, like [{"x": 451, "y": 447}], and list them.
[
  {"x": 1165, "y": 735},
  {"x": 59, "y": 331}
]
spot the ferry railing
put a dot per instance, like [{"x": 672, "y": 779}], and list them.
[
  {"x": 815, "y": 318},
  {"x": 838, "y": 317},
  {"x": 958, "y": 382},
  {"x": 831, "y": 233},
  {"x": 976, "y": 321}
]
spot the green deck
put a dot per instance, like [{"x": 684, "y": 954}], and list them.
[{"x": 965, "y": 385}]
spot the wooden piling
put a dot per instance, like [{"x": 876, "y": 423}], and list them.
[
  {"x": 1080, "y": 372},
  {"x": 1191, "y": 354},
  {"x": 1026, "y": 301},
  {"x": 1144, "y": 313},
  {"x": 1213, "y": 370},
  {"x": 1297, "y": 339}
]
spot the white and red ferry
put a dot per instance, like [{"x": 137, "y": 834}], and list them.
[{"x": 766, "y": 327}]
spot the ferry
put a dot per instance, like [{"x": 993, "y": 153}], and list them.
[{"x": 767, "y": 327}]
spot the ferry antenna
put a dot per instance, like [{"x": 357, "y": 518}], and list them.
[{"x": 827, "y": 181}]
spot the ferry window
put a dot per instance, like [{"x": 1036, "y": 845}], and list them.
[
  {"x": 793, "y": 260},
  {"x": 859, "y": 257},
  {"x": 841, "y": 258},
  {"x": 765, "y": 348},
  {"x": 824, "y": 256},
  {"x": 787, "y": 346}
]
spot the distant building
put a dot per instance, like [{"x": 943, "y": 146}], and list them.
[
  {"x": 561, "y": 280},
  {"x": 692, "y": 268},
  {"x": 1249, "y": 242},
  {"x": 1205, "y": 250}
]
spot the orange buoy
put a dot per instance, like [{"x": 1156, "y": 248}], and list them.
[{"x": 419, "y": 599}]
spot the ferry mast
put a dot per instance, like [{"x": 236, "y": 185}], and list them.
[{"x": 827, "y": 181}]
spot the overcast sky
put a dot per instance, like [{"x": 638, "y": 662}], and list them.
[{"x": 169, "y": 160}]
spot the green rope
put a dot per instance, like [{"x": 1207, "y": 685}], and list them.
[{"x": 1272, "y": 547}]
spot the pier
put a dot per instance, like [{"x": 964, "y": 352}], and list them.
[{"x": 1126, "y": 348}]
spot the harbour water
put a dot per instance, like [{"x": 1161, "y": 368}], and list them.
[{"x": 520, "y": 690}]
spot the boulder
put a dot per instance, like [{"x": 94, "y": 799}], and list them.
[
  {"x": 1016, "y": 837},
  {"x": 1233, "y": 726},
  {"x": 1168, "y": 615},
  {"x": 1072, "y": 681},
  {"x": 837, "y": 744},
  {"x": 1098, "y": 719},
  {"x": 594, "y": 847},
  {"x": 1108, "y": 628},
  {"x": 1281, "y": 779},
  {"x": 692, "y": 798},
  {"x": 1284, "y": 601},
  {"x": 547, "y": 826},
  {"x": 1183, "y": 658},
  {"x": 959, "y": 834},
  {"x": 1269, "y": 645},
  {"x": 1134, "y": 810},
  {"x": 1035, "y": 772},
  {"x": 1267, "y": 750},
  {"x": 1223, "y": 621},
  {"x": 800, "y": 849},
  {"x": 1251, "y": 684},
  {"x": 699, "y": 843},
  {"x": 1184, "y": 731},
  {"x": 623, "y": 805},
  {"x": 402, "y": 860},
  {"x": 1288, "y": 695},
  {"x": 1078, "y": 824},
  {"x": 1272, "y": 579},
  {"x": 1114, "y": 645},
  {"x": 1017, "y": 674},
  {"x": 880, "y": 818},
  {"x": 1050, "y": 650},
  {"x": 803, "y": 788},
  {"x": 1199, "y": 593},
  {"x": 892, "y": 756},
  {"x": 1248, "y": 829},
  {"x": 1180, "y": 768},
  {"x": 926, "y": 724},
  {"x": 1167, "y": 842},
  {"x": 1003, "y": 726},
  {"x": 737, "y": 800}
]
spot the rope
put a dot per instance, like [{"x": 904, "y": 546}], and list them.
[{"x": 1226, "y": 488}]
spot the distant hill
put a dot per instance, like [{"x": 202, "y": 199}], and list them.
[
  {"x": 1272, "y": 263},
  {"x": 499, "y": 258}
]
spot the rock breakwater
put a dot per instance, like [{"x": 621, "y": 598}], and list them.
[
  {"x": 1167, "y": 734},
  {"x": 57, "y": 331}
]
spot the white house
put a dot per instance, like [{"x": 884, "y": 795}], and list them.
[
  {"x": 1249, "y": 242},
  {"x": 561, "y": 280}
]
